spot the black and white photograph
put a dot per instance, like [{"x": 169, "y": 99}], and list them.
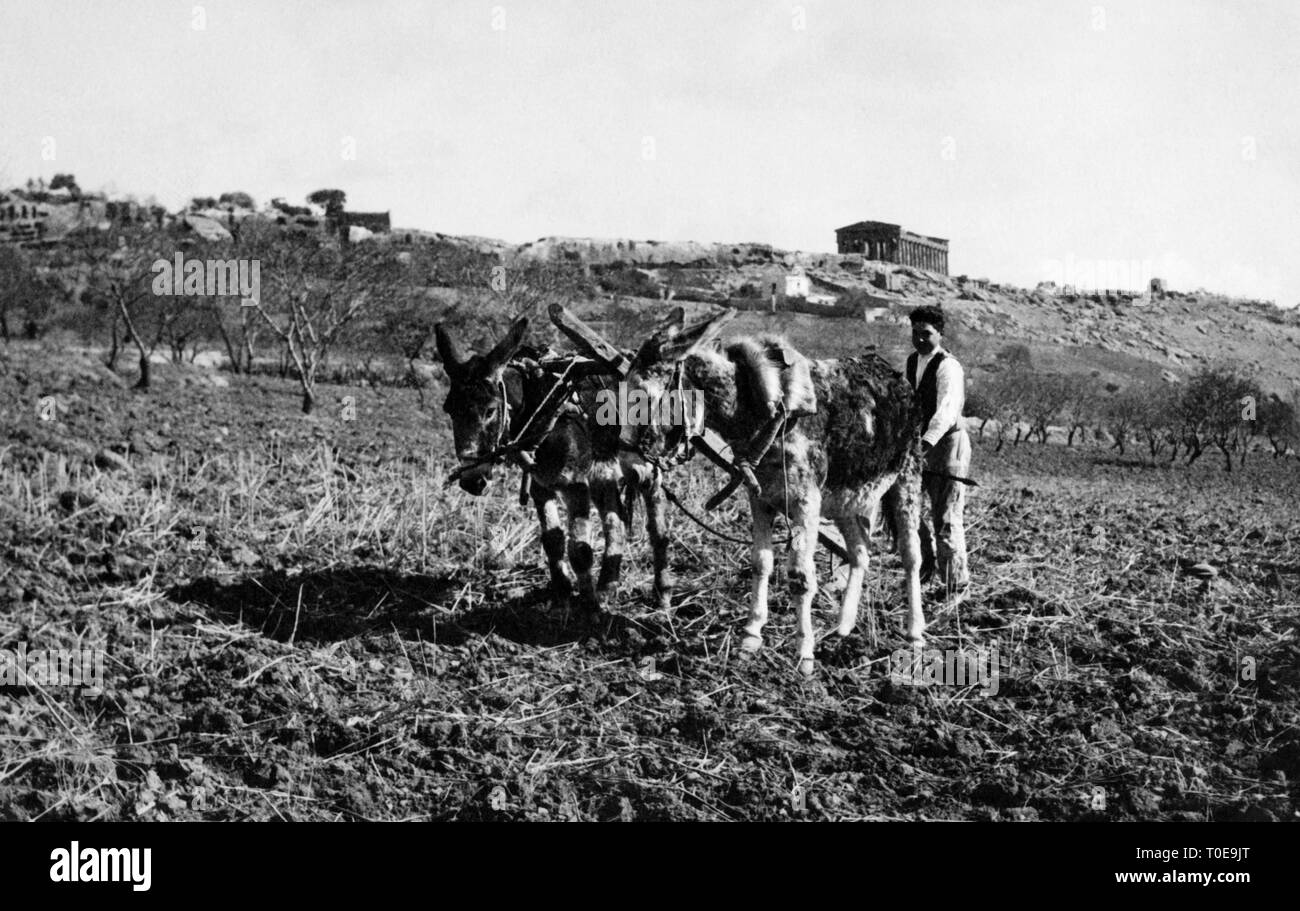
[{"x": 728, "y": 410}]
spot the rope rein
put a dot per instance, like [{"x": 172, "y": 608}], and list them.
[
  {"x": 673, "y": 499},
  {"x": 522, "y": 441}
]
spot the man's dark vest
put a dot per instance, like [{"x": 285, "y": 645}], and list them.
[{"x": 928, "y": 391}]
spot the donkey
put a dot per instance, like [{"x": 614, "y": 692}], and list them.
[
  {"x": 490, "y": 399},
  {"x": 858, "y": 452}
]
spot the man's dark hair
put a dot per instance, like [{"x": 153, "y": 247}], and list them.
[{"x": 931, "y": 315}]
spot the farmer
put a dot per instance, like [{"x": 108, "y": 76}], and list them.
[{"x": 940, "y": 384}]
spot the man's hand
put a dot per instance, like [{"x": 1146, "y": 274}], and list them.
[{"x": 926, "y": 446}]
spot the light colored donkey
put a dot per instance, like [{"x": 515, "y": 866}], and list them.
[{"x": 859, "y": 451}]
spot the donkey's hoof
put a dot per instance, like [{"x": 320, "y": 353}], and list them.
[
  {"x": 806, "y": 667},
  {"x": 751, "y": 643}
]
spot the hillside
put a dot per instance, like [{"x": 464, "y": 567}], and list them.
[{"x": 1117, "y": 334}]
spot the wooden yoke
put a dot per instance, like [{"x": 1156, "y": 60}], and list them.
[{"x": 589, "y": 341}]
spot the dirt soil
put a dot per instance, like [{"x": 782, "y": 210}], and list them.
[{"x": 301, "y": 622}]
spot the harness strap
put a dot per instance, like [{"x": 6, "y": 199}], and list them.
[
  {"x": 517, "y": 449},
  {"x": 825, "y": 541}
]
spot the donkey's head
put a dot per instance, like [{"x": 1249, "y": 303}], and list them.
[
  {"x": 676, "y": 407},
  {"x": 477, "y": 399}
]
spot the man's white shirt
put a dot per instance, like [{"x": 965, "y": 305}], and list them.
[{"x": 950, "y": 397}]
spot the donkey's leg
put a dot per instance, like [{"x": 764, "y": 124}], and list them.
[
  {"x": 905, "y": 498},
  {"x": 656, "y": 523},
  {"x": 855, "y": 542},
  {"x": 548, "y": 514},
  {"x": 577, "y": 500},
  {"x": 762, "y": 560},
  {"x": 613, "y": 520},
  {"x": 805, "y": 517}
]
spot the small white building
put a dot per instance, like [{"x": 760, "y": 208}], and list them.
[
  {"x": 778, "y": 282},
  {"x": 797, "y": 284}
]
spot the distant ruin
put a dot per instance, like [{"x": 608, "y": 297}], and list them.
[
  {"x": 21, "y": 220},
  {"x": 374, "y": 222},
  {"x": 40, "y": 217},
  {"x": 888, "y": 243}
]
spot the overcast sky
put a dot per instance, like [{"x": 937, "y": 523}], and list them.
[{"x": 1044, "y": 139}]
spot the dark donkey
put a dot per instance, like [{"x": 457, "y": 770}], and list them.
[
  {"x": 491, "y": 400},
  {"x": 859, "y": 451}
]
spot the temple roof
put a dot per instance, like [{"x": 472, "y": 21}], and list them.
[{"x": 870, "y": 226}]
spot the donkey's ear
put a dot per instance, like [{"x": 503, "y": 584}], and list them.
[
  {"x": 671, "y": 324},
  {"x": 696, "y": 337},
  {"x": 506, "y": 348},
  {"x": 652, "y": 349},
  {"x": 448, "y": 348}
]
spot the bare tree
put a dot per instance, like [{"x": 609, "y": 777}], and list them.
[
  {"x": 1046, "y": 396},
  {"x": 1005, "y": 394},
  {"x": 120, "y": 271},
  {"x": 979, "y": 407},
  {"x": 1216, "y": 404},
  {"x": 1279, "y": 421},
  {"x": 312, "y": 292},
  {"x": 25, "y": 295},
  {"x": 1080, "y": 410},
  {"x": 1156, "y": 417},
  {"x": 1123, "y": 411}
]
